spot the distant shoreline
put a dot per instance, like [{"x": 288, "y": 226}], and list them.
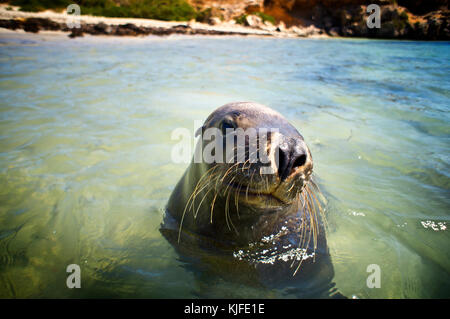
[
  {"x": 431, "y": 27},
  {"x": 35, "y": 22}
]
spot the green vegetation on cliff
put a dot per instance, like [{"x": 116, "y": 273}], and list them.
[
  {"x": 178, "y": 10},
  {"x": 265, "y": 17}
]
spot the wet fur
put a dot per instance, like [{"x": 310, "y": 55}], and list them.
[{"x": 268, "y": 247}]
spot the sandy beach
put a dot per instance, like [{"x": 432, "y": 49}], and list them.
[{"x": 10, "y": 16}]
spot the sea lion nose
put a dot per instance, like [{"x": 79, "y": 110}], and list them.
[{"x": 290, "y": 157}]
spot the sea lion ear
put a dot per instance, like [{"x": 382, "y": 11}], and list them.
[{"x": 199, "y": 131}]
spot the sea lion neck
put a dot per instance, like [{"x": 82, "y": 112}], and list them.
[{"x": 251, "y": 227}]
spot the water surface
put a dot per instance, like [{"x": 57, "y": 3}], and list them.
[{"x": 85, "y": 166}]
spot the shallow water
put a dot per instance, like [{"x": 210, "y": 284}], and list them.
[{"x": 85, "y": 171}]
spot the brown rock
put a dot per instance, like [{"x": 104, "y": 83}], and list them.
[
  {"x": 334, "y": 32},
  {"x": 253, "y": 21},
  {"x": 76, "y": 32},
  {"x": 102, "y": 28},
  {"x": 214, "y": 21},
  {"x": 31, "y": 25},
  {"x": 281, "y": 27}
]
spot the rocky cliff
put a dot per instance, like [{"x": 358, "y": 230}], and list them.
[{"x": 406, "y": 19}]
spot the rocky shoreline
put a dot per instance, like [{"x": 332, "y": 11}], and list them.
[
  {"x": 89, "y": 25},
  {"x": 397, "y": 24},
  {"x": 399, "y": 19},
  {"x": 129, "y": 29}
]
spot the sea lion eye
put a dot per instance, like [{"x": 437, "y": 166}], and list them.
[{"x": 227, "y": 125}]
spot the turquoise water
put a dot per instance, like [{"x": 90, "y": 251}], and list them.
[{"x": 85, "y": 166}]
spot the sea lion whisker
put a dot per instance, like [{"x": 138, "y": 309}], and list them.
[
  {"x": 305, "y": 211},
  {"x": 236, "y": 199},
  {"x": 195, "y": 194},
  {"x": 321, "y": 211},
  {"x": 227, "y": 214},
  {"x": 199, "y": 205},
  {"x": 317, "y": 205},
  {"x": 200, "y": 187},
  {"x": 212, "y": 206},
  {"x": 228, "y": 186},
  {"x": 207, "y": 174},
  {"x": 290, "y": 188},
  {"x": 315, "y": 185},
  {"x": 309, "y": 240},
  {"x": 311, "y": 212},
  {"x": 313, "y": 219},
  {"x": 248, "y": 185},
  {"x": 187, "y": 204},
  {"x": 249, "y": 158},
  {"x": 228, "y": 170},
  {"x": 304, "y": 199}
]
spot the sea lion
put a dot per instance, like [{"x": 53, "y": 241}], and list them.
[{"x": 230, "y": 220}]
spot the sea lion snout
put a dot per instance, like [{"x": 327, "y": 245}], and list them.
[{"x": 293, "y": 158}]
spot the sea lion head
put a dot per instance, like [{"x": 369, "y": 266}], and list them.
[
  {"x": 260, "y": 160},
  {"x": 250, "y": 179}
]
